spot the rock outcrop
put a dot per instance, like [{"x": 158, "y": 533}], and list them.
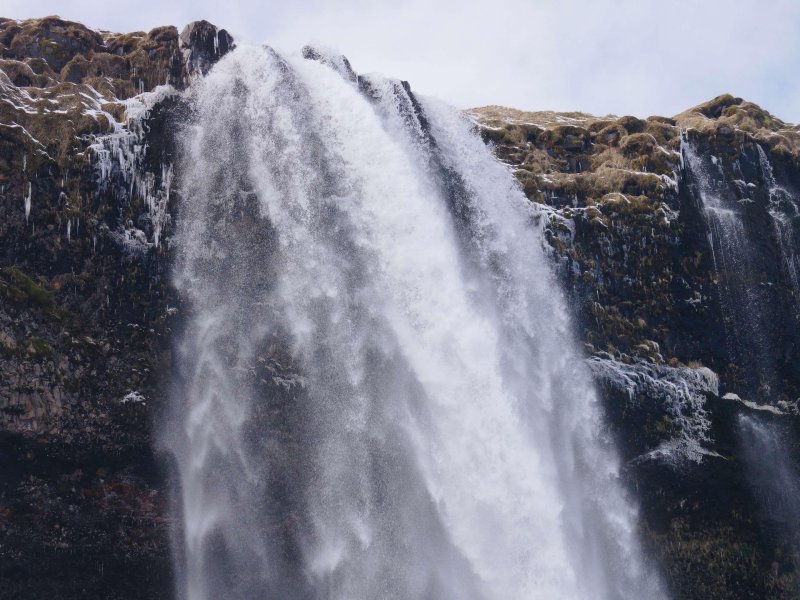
[
  {"x": 203, "y": 45},
  {"x": 679, "y": 326}
]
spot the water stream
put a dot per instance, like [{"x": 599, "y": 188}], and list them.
[{"x": 378, "y": 395}]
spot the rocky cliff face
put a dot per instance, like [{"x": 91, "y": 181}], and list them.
[
  {"x": 86, "y": 148},
  {"x": 675, "y": 237},
  {"x": 678, "y": 238}
]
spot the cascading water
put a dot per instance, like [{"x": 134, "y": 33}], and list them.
[
  {"x": 741, "y": 298},
  {"x": 774, "y": 479},
  {"x": 784, "y": 211},
  {"x": 778, "y": 486},
  {"x": 767, "y": 460},
  {"x": 377, "y": 394}
]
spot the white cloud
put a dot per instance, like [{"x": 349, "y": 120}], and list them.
[{"x": 624, "y": 56}]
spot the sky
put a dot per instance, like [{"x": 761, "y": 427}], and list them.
[{"x": 638, "y": 57}]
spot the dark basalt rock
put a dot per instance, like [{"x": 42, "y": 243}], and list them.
[
  {"x": 337, "y": 62},
  {"x": 203, "y": 45}
]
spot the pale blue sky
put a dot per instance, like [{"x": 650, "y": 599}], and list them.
[{"x": 636, "y": 57}]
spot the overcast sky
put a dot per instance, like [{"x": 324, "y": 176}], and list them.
[{"x": 637, "y": 57}]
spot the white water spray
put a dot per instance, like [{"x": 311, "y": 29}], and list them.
[{"x": 378, "y": 396}]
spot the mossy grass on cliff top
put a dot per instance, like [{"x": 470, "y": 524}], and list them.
[
  {"x": 723, "y": 113},
  {"x": 57, "y": 50},
  {"x": 544, "y": 119},
  {"x": 727, "y": 114}
]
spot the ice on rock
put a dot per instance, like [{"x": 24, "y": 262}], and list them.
[
  {"x": 133, "y": 397},
  {"x": 122, "y": 153},
  {"x": 681, "y": 392}
]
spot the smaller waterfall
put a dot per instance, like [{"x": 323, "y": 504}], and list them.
[
  {"x": 736, "y": 266},
  {"x": 775, "y": 481},
  {"x": 784, "y": 212}
]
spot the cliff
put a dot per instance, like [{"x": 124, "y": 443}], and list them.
[
  {"x": 677, "y": 238},
  {"x": 674, "y": 236},
  {"x": 85, "y": 302}
]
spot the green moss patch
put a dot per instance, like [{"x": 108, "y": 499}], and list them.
[{"x": 19, "y": 288}]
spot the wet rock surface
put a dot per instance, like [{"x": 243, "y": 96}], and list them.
[{"x": 203, "y": 44}]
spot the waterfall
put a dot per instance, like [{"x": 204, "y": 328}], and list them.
[
  {"x": 736, "y": 270},
  {"x": 377, "y": 394},
  {"x": 784, "y": 212},
  {"x": 775, "y": 482},
  {"x": 765, "y": 451}
]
